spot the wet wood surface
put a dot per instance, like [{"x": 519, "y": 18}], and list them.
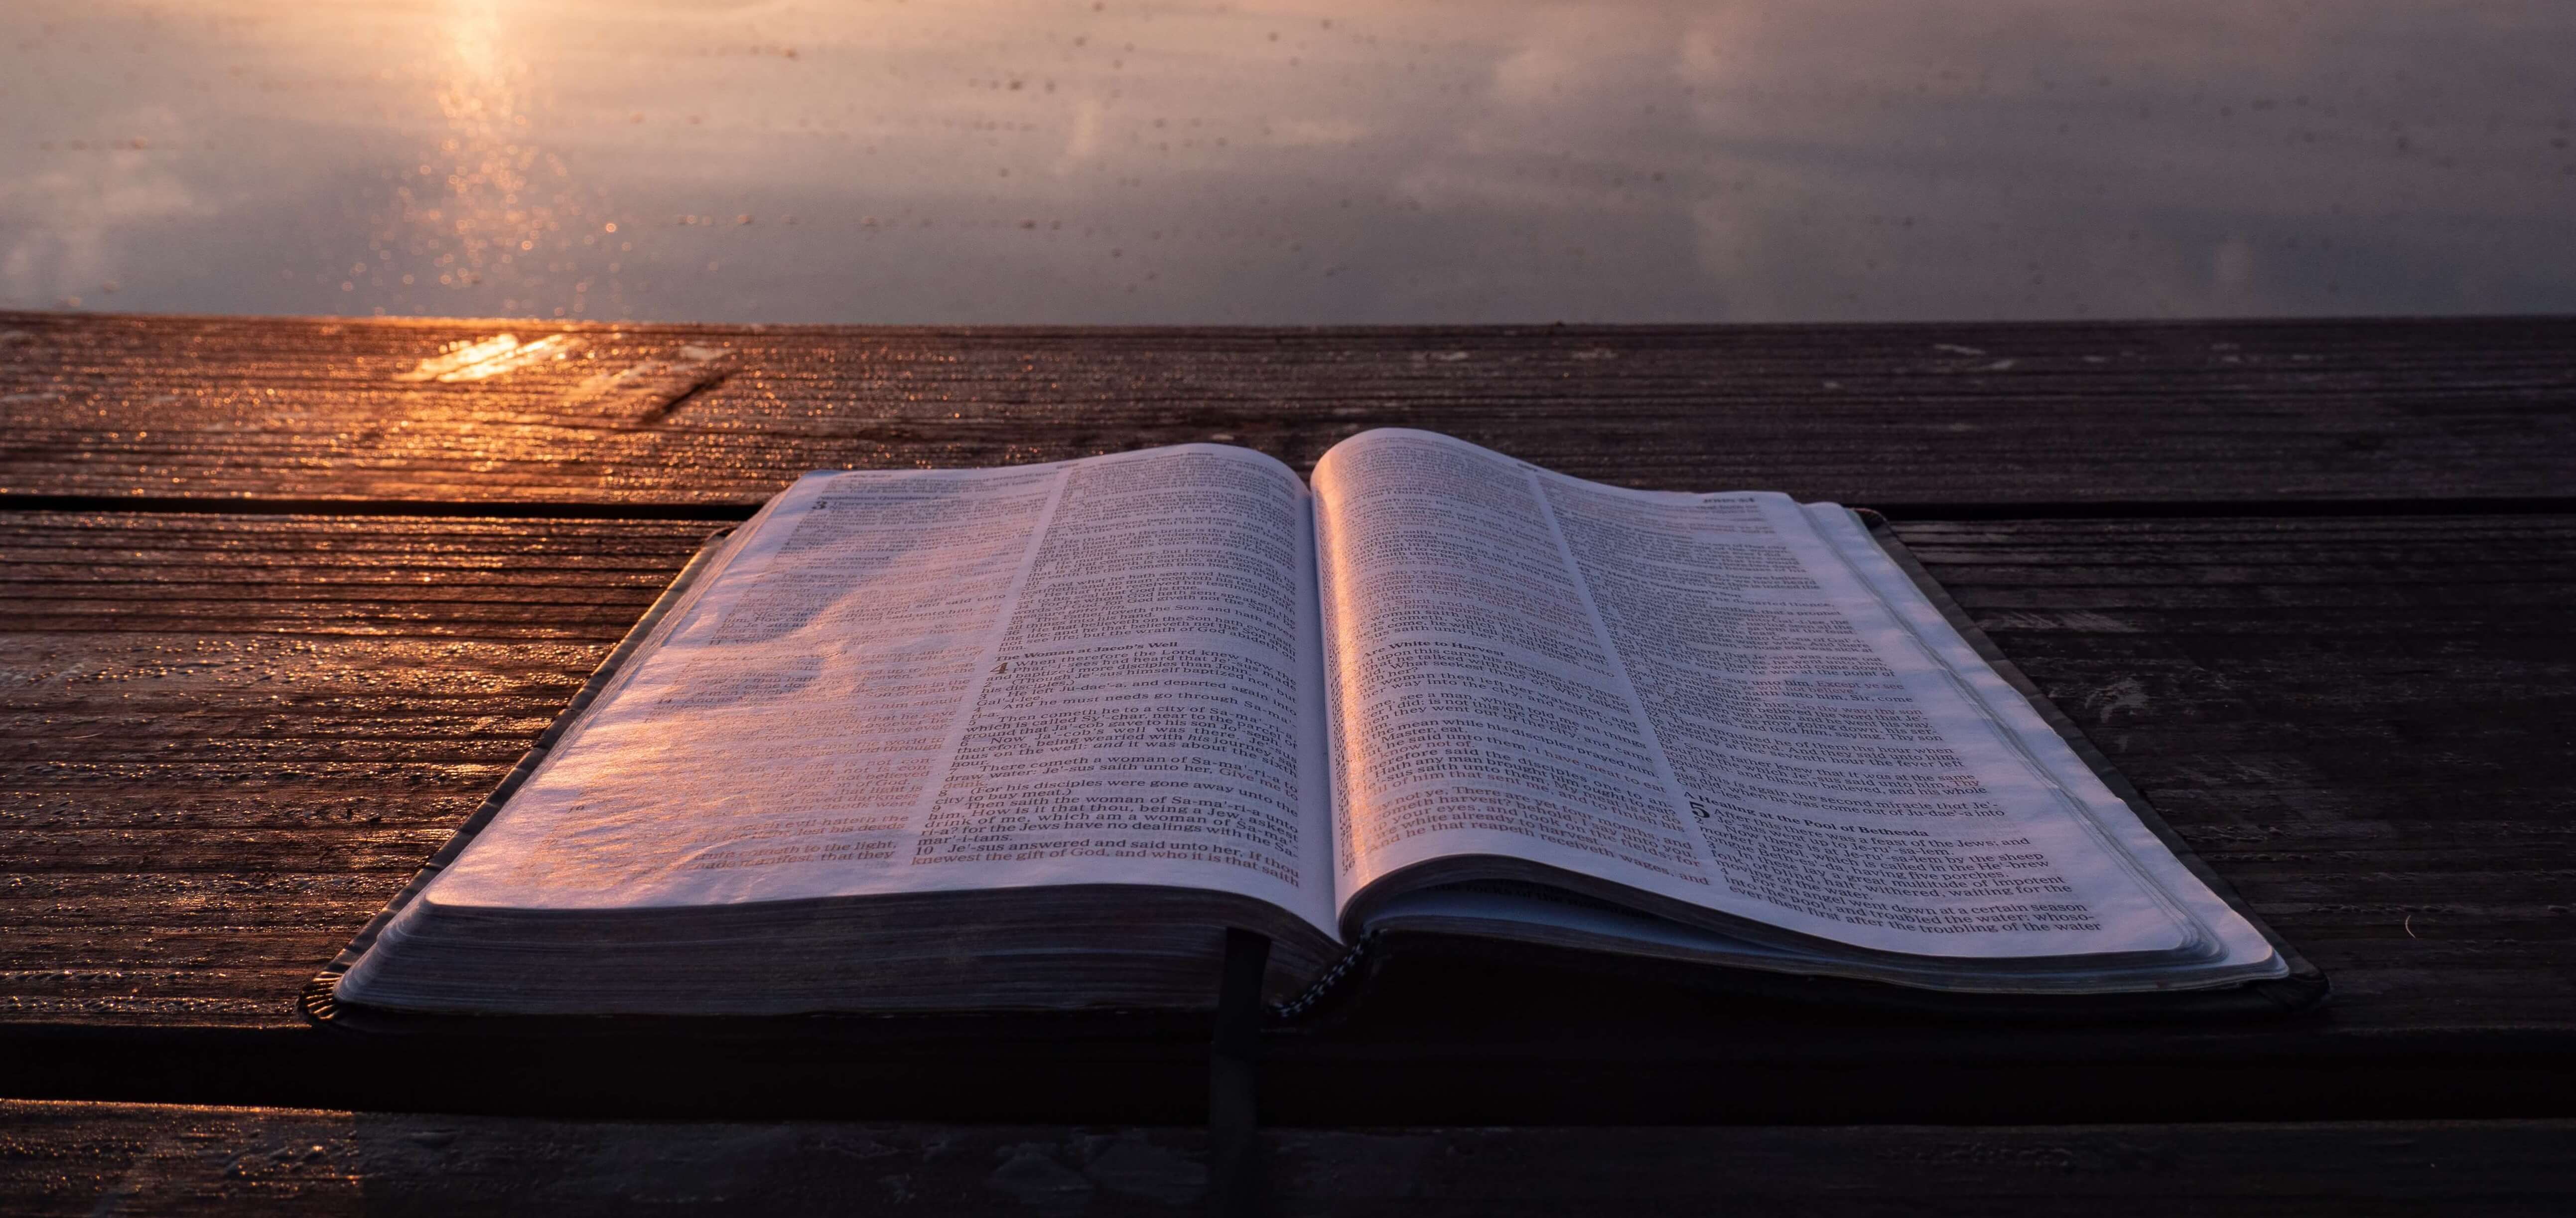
[
  {"x": 1884, "y": 415},
  {"x": 83, "y": 1159},
  {"x": 2312, "y": 586},
  {"x": 232, "y": 737}
]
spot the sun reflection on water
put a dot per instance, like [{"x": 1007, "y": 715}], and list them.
[
  {"x": 1299, "y": 161},
  {"x": 488, "y": 203}
]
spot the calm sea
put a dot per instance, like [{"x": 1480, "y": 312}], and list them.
[{"x": 1293, "y": 162}]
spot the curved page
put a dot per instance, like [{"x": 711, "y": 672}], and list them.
[
  {"x": 1693, "y": 696},
  {"x": 1089, "y": 672}
]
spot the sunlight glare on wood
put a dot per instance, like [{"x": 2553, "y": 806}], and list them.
[
  {"x": 487, "y": 358},
  {"x": 461, "y": 355}
]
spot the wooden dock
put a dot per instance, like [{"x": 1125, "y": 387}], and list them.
[{"x": 278, "y": 606}]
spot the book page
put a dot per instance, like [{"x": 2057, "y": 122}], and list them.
[
  {"x": 1095, "y": 671},
  {"x": 1691, "y": 695},
  {"x": 2237, "y": 941}
]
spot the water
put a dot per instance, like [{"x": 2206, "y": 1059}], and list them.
[{"x": 1315, "y": 162}]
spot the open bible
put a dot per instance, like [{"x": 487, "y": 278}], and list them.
[{"x": 1036, "y": 737}]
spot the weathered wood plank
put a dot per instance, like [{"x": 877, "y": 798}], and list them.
[
  {"x": 205, "y": 795},
  {"x": 61, "y": 1158},
  {"x": 201, "y": 798},
  {"x": 2376, "y": 773},
  {"x": 1977, "y": 414},
  {"x": 2333, "y": 713}
]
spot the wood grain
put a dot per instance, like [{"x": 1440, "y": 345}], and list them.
[
  {"x": 2242, "y": 412},
  {"x": 2360, "y": 723},
  {"x": 225, "y": 740},
  {"x": 84, "y": 1159}
]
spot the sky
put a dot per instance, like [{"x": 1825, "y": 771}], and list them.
[{"x": 1001, "y": 161}]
